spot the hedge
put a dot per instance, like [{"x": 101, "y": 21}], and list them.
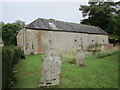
[{"x": 10, "y": 57}]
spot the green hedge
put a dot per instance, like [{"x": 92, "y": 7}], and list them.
[{"x": 10, "y": 56}]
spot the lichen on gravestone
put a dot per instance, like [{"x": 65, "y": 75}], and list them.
[
  {"x": 51, "y": 68},
  {"x": 80, "y": 57}
]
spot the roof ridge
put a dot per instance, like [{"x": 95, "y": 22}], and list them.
[{"x": 42, "y": 23}]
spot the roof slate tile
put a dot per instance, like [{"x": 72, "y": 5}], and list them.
[{"x": 64, "y": 26}]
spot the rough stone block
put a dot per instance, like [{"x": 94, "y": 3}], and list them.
[
  {"x": 51, "y": 68},
  {"x": 80, "y": 57}
]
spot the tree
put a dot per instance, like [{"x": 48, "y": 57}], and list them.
[
  {"x": 103, "y": 14},
  {"x": 9, "y": 32},
  {"x": 113, "y": 28},
  {"x": 19, "y": 22}
]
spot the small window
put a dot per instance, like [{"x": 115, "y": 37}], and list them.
[
  {"x": 103, "y": 40},
  {"x": 75, "y": 40},
  {"x": 92, "y": 40}
]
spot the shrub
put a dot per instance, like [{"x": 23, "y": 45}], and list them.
[
  {"x": 106, "y": 53},
  {"x": 7, "y": 58},
  {"x": 10, "y": 56},
  {"x": 93, "y": 46},
  {"x": 22, "y": 55}
]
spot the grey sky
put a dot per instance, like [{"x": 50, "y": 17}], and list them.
[{"x": 29, "y": 11}]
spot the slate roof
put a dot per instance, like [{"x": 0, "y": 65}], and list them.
[{"x": 54, "y": 25}]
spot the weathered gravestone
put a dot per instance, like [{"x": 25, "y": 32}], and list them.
[
  {"x": 102, "y": 48},
  {"x": 80, "y": 57},
  {"x": 51, "y": 68}
]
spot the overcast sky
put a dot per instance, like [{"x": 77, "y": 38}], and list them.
[{"x": 29, "y": 11}]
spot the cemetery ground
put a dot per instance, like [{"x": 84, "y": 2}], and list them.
[{"x": 97, "y": 73}]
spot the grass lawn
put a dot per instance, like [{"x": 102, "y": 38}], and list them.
[{"x": 98, "y": 73}]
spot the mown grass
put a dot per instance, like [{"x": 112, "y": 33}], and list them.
[
  {"x": 28, "y": 72},
  {"x": 98, "y": 73}
]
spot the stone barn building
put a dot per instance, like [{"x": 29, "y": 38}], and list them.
[{"x": 43, "y": 34}]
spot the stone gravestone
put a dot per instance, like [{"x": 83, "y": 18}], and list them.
[
  {"x": 51, "y": 68},
  {"x": 102, "y": 48},
  {"x": 80, "y": 57}
]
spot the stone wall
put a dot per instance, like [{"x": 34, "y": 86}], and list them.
[
  {"x": 30, "y": 41},
  {"x": 20, "y": 39},
  {"x": 67, "y": 40},
  {"x": 37, "y": 41}
]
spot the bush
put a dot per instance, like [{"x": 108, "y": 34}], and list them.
[
  {"x": 106, "y": 53},
  {"x": 10, "y": 56},
  {"x": 93, "y": 46},
  {"x": 22, "y": 55}
]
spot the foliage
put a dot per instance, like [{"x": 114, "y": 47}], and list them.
[
  {"x": 10, "y": 56},
  {"x": 98, "y": 73},
  {"x": 114, "y": 38},
  {"x": 113, "y": 28},
  {"x": 9, "y": 32},
  {"x": 106, "y": 53},
  {"x": 93, "y": 46},
  {"x": 105, "y": 15},
  {"x": 71, "y": 56},
  {"x": 20, "y": 23}
]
